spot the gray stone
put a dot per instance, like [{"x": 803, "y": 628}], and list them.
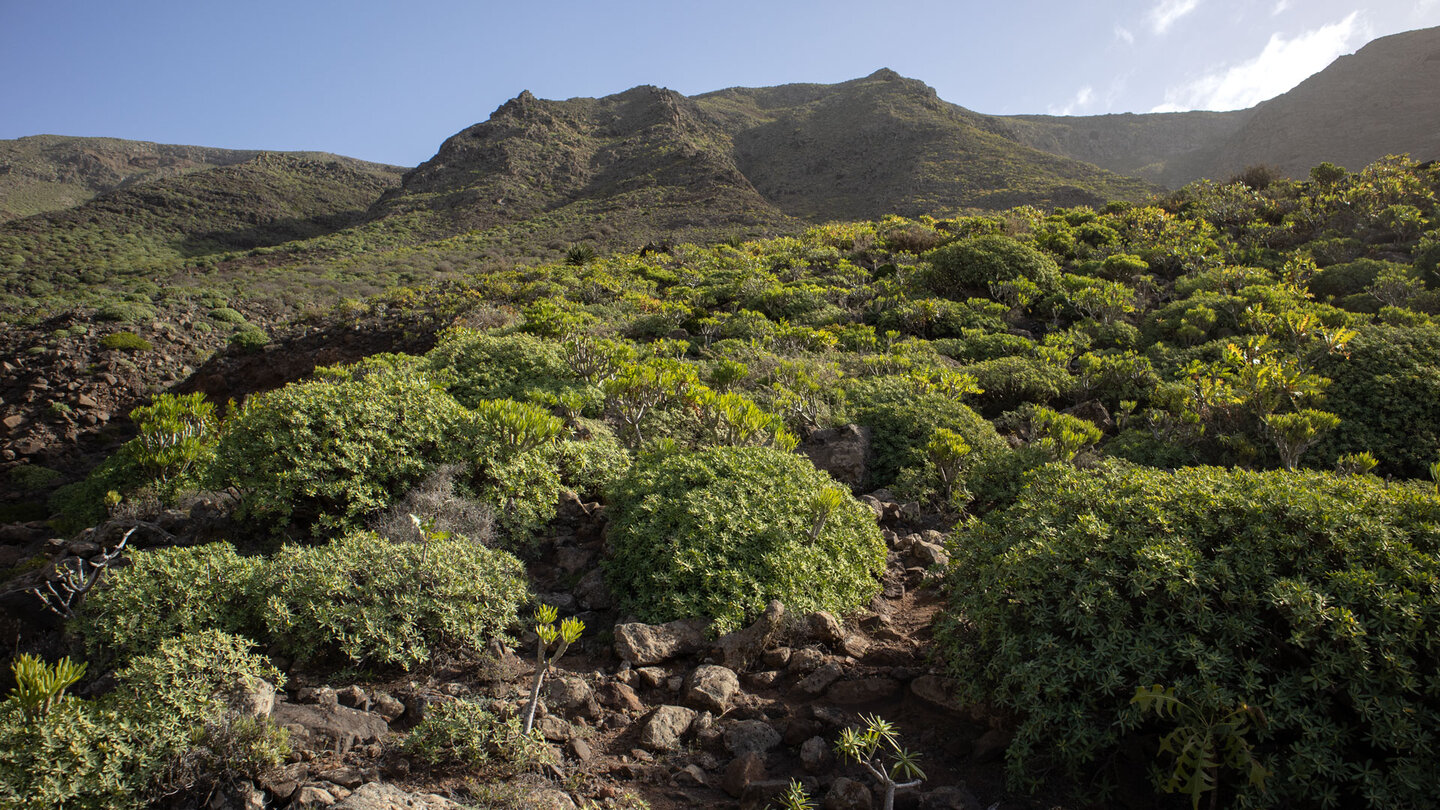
[
  {"x": 855, "y": 645},
  {"x": 818, "y": 681},
  {"x": 252, "y": 697},
  {"x": 283, "y": 782},
  {"x": 645, "y": 644},
  {"x": 619, "y": 696},
  {"x": 935, "y": 692},
  {"x": 354, "y": 697},
  {"x": 312, "y": 796},
  {"x": 345, "y": 777},
  {"x": 571, "y": 696},
  {"x": 740, "y": 648},
  {"x": 328, "y": 728},
  {"x": 385, "y": 705},
  {"x": 592, "y": 593},
  {"x": 863, "y": 690},
  {"x": 840, "y": 451},
  {"x": 711, "y": 687},
  {"x": 742, "y": 771},
  {"x": 847, "y": 794},
  {"x": 652, "y": 676},
  {"x": 929, "y": 554},
  {"x": 666, "y": 725},
  {"x": 824, "y": 627},
  {"x": 553, "y": 728},
  {"x": 814, "y": 755},
  {"x": 806, "y": 660},
  {"x": 750, "y": 736},
  {"x": 382, "y": 796}
]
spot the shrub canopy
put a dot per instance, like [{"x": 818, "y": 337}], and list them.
[
  {"x": 722, "y": 531},
  {"x": 1312, "y": 596}
]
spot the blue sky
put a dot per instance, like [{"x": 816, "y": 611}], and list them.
[{"x": 389, "y": 80}]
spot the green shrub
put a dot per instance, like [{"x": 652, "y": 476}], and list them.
[
  {"x": 227, "y": 315},
  {"x": 249, "y": 340},
  {"x": 126, "y": 312},
  {"x": 932, "y": 318},
  {"x": 189, "y": 679},
  {"x": 902, "y": 421},
  {"x": 125, "y": 342},
  {"x": 722, "y": 531},
  {"x": 1386, "y": 391},
  {"x": 1009, "y": 382},
  {"x": 1351, "y": 278},
  {"x": 589, "y": 466},
  {"x": 168, "y": 592},
  {"x": 1310, "y": 596},
  {"x": 968, "y": 267},
  {"x": 462, "y": 732},
  {"x": 478, "y": 366},
  {"x": 34, "y": 477},
  {"x": 341, "y": 446},
  {"x": 145, "y": 739},
  {"x": 81, "y": 754},
  {"x": 366, "y": 599}
]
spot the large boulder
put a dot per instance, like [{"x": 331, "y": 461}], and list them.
[
  {"x": 841, "y": 451},
  {"x": 667, "y": 724},
  {"x": 328, "y": 727},
  {"x": 739, "y": 649},
  {"x": 710, "y": 687},
  {"x": 382, "y": 796},
  {"x": 647, "y": 644}
]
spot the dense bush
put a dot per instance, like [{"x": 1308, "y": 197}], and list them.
[
  {"x": 462, "y": 732},
  {"x": 478, "y": 366},
  {"x": 1008, "y": 382},
  {"x": 139, "y": 742},
  {"x": 968, "y": 267},
  {"x": 721, "y": 532},
  {"x": 1310, "y": 596},
  {"x": 903, "y": 420},
  {"x": 340, "y": 446},
  {"x": 366, "y": 599},
  {"x": 169, "y": 592},
  {"x": 1387, "y": 395},
  {"x": 125, "y": 342}
]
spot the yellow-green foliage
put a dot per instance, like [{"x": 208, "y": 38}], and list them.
[
  {"x": 722, "y": 531},
  {"x": 340, "y": 446},
  {"x": 169, "y": 592},
  {"x": 1310, "y": 596},
  {"x": 402, "y": 602},
  {"x": 122, "y": 750}
]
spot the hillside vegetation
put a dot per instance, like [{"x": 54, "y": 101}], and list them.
[
  {"x": 43, "y": 173},
  {"x": 1188, "y": 442}
]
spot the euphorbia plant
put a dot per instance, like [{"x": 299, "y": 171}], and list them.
[
  {"x": 870, "y": 748},
  {"x": 566, "y": 634}
]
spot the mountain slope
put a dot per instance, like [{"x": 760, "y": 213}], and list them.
[
  {"x": 1160, "y": 147},
  {"x": 647, "y": 154},
  {"x": 1379, "y": 101},
  {"x": 650, "y": 160},
  {"x": 156, "y": 227},
  {"x": 887, "y": 144},
  {"x": 51, "y": 172}
]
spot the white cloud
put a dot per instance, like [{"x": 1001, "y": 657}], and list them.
[
  {"x": 1283, "y": 64},
  {"x": 1123, "y": 34},
  {"x": 1167, "y": 12},
  {"x": 1082, "y": 99},
  {"x": 1280, "y": 7}
]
